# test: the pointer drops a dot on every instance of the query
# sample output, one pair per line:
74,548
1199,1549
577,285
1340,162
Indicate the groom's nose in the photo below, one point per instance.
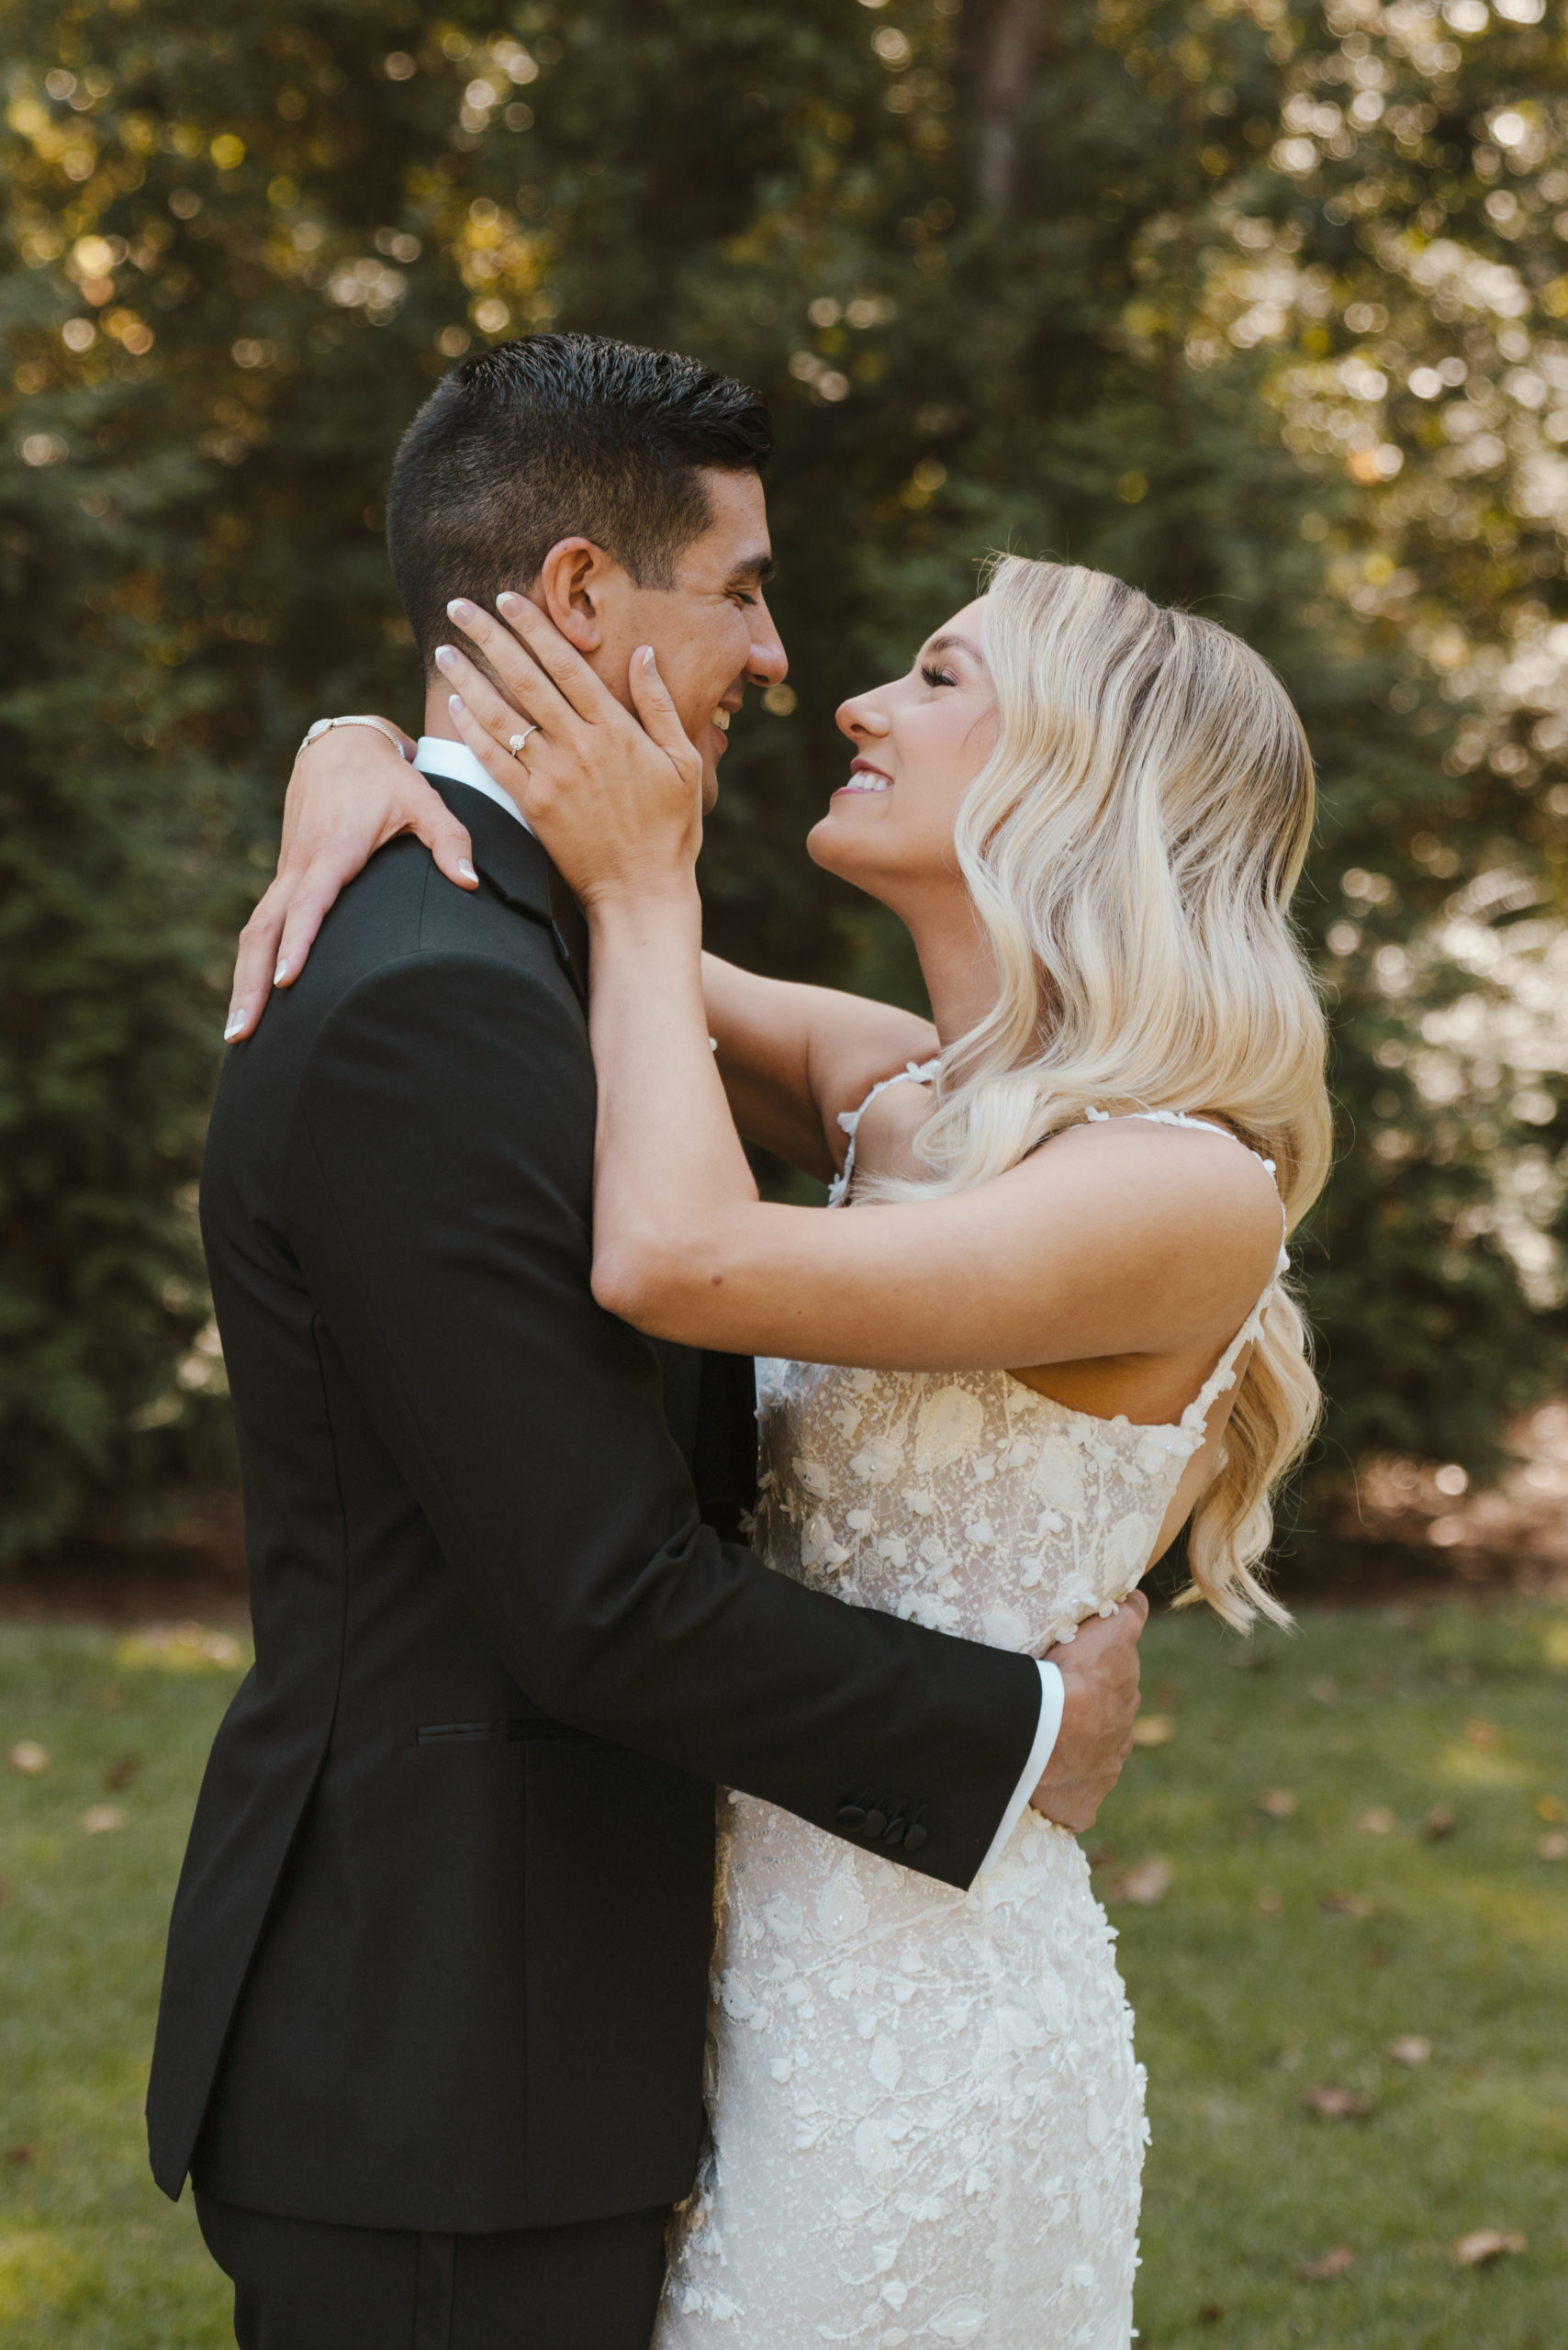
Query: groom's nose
768,664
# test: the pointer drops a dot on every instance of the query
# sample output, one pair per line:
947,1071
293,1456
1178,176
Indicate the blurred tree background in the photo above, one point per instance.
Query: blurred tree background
1264,306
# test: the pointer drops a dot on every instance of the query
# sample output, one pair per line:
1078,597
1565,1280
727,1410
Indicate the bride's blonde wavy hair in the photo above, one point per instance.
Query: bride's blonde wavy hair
1131,847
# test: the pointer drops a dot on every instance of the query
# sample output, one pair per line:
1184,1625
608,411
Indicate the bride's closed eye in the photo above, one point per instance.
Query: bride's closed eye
932,676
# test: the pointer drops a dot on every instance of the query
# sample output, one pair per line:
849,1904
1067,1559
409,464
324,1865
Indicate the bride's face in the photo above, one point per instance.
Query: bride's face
918,744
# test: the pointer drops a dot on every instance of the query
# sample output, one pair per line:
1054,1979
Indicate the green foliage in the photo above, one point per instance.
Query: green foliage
1156,287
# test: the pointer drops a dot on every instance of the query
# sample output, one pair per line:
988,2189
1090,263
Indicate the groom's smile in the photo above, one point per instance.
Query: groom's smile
713,630
710,627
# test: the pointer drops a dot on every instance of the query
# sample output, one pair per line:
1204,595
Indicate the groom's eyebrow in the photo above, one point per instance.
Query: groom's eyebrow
752,570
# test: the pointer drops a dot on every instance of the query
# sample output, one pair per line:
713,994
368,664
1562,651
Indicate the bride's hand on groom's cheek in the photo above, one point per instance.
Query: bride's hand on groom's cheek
615,794
1100,1680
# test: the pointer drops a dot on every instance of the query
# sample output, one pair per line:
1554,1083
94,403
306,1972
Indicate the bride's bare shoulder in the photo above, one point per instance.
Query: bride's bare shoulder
1190,1187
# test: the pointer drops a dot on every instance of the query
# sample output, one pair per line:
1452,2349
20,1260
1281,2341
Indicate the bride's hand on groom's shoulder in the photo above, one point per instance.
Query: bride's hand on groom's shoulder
1100,1682
615,794
350,793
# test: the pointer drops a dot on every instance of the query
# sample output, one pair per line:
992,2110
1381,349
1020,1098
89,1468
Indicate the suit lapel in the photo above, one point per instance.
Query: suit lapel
568,927
514,863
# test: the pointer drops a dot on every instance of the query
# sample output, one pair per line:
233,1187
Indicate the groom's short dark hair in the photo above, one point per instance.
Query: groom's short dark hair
554,436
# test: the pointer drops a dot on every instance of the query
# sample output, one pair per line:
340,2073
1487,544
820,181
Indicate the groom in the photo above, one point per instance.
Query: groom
430,2039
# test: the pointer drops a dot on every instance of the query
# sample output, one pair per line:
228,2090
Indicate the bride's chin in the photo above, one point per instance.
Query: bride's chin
826,845
842,850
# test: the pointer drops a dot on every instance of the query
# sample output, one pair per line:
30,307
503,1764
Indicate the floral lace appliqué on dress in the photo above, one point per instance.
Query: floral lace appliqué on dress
927,2118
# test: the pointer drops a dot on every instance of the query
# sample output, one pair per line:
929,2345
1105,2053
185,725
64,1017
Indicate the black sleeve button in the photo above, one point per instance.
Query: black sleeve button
851,1816
875,1822
893,1832
915,1837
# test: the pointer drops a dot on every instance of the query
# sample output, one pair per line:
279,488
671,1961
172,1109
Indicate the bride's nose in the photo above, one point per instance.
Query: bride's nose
861,720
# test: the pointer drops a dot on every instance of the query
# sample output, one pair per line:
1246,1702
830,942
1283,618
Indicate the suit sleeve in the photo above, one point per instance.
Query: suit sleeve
439,1196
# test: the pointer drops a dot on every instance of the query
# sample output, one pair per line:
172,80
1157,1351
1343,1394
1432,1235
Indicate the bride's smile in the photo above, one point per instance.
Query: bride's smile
919,743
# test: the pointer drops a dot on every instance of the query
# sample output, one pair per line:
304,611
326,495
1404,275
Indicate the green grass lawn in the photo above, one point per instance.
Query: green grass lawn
1250,1992
1289,1952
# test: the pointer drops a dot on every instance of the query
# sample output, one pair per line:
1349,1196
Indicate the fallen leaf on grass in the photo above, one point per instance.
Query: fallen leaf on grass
102,1819
1551,1807
1439,1822
1378,1821
177,1648
1337,2105
122,1774
1333,2264
1412,2050
29,1758
21,2154
1277,1802
1154,1730
1486,2243
1346,1904
1211,2313
1269,1904
1553,1848
1325,1690
1148,1883
1480,1733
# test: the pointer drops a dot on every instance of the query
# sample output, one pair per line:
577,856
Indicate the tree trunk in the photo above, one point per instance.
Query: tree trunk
1002,44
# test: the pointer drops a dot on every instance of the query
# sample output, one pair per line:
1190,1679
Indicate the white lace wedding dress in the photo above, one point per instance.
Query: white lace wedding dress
927,2118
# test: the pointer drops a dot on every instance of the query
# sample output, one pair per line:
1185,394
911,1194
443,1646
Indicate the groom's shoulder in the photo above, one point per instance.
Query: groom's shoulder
402,904
454,974
402,911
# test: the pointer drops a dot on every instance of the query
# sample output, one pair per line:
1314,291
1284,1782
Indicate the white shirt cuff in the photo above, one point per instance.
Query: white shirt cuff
1053,1696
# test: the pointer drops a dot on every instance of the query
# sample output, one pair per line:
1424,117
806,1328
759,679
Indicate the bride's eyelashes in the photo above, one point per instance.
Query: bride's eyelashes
932,676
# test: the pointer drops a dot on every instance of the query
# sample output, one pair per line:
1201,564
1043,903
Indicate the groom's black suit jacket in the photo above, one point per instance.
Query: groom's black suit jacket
438,1958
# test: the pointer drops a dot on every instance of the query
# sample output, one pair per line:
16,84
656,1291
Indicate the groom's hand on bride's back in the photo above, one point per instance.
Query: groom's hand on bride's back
1099,1681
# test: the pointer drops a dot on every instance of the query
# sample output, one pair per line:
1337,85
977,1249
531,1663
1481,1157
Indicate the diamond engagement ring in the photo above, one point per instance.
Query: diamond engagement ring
516,741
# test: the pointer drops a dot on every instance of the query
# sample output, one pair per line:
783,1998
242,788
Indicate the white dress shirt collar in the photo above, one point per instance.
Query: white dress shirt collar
457,763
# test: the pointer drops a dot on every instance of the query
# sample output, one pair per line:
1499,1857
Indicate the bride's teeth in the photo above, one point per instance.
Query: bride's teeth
721,720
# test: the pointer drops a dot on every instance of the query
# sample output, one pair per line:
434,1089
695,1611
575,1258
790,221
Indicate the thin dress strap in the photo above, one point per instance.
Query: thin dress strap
912,1073
1223,1376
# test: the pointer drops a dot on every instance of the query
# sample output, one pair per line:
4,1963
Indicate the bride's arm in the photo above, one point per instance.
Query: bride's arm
792,1057
350,792
1132,1240
1145,1240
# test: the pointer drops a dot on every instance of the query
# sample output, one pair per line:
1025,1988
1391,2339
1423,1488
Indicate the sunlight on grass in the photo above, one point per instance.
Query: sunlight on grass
91,2255
42,2276
1398,1897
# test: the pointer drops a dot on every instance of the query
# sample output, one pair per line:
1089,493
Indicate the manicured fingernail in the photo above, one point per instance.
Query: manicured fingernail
446,658
235,1021
454,704
280,974
466,870
509,601
461,610
648,659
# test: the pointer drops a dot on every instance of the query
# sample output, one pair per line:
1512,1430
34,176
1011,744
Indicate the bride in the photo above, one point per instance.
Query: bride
1046,1328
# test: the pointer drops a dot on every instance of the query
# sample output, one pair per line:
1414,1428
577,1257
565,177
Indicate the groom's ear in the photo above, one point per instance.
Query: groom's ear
577,579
